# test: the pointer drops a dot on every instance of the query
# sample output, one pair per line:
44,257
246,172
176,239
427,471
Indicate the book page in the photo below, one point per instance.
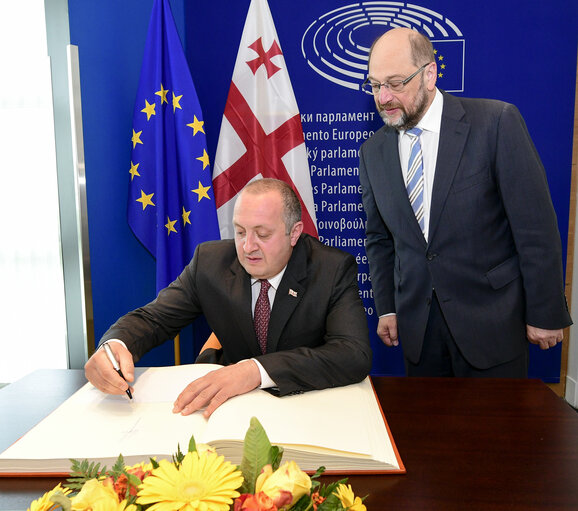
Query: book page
342,419
91,424
162,384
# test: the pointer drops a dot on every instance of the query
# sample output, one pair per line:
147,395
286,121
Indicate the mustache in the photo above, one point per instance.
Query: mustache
388,106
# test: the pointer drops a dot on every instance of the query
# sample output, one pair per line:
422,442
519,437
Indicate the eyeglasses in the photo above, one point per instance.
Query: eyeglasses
373,88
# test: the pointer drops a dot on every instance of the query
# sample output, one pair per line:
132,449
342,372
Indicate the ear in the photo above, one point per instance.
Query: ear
296,231
431,73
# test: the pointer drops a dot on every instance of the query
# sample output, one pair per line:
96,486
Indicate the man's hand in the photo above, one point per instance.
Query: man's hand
213,389
544,338
101,374
387,330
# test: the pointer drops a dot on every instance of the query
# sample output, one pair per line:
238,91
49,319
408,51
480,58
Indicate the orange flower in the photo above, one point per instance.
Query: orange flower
258,502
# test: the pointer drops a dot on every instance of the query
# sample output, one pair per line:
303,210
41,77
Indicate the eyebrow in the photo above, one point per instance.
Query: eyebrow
388,78
254,227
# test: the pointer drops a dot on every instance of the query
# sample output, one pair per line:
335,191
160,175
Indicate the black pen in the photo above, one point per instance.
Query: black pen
114,363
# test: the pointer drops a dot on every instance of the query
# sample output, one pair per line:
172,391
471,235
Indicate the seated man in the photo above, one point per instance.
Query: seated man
307,330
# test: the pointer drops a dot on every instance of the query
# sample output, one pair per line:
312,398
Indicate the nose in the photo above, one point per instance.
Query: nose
384,95
250,245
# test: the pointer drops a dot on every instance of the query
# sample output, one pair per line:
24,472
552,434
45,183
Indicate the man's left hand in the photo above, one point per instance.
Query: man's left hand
213,389
544,338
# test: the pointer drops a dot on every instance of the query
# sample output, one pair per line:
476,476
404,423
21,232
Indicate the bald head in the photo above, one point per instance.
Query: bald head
415,47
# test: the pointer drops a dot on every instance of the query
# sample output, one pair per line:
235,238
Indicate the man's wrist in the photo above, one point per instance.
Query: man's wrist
266,381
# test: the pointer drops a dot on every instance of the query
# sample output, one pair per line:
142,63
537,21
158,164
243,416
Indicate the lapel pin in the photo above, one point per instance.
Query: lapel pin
293,293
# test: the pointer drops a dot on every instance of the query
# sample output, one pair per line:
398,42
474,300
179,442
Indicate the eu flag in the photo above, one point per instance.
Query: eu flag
450,56
171,206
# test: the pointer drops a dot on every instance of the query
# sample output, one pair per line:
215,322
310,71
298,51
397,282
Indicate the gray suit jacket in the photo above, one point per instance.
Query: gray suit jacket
494,252
318,334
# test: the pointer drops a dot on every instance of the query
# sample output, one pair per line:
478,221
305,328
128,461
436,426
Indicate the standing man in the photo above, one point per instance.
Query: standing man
462,238
285,308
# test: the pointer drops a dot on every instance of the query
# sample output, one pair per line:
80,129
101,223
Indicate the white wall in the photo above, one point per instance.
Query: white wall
32,305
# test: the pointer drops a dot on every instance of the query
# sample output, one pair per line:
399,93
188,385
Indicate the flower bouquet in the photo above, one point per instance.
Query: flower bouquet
201,480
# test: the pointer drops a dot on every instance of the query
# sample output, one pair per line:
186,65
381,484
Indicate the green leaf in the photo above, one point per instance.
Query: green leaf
276,455
132,479
118,467
133,482
192,444
61,500
154,463
327,490
257,453
82,471
331,503
178,457
303,504
318,473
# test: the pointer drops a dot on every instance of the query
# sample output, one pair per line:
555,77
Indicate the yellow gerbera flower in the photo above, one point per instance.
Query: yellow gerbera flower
203,482
348,500
44,503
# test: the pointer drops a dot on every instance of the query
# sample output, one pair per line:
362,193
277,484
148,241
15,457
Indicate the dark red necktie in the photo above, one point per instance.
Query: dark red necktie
261,315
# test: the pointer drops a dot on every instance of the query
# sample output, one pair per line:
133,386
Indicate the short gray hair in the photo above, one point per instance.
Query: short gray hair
291,204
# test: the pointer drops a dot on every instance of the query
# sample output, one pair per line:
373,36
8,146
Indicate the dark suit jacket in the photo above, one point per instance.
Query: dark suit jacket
318,334
494,253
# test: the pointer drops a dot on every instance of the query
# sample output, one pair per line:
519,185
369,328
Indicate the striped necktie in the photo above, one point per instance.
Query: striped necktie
415,177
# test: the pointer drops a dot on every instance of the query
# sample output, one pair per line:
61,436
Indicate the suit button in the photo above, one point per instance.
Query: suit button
430,256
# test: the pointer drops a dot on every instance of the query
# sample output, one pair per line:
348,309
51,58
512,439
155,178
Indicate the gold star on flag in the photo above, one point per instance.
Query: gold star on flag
197,126
170,225
176,100
146,200
133,170
435,52
443,66
136,138
440,75
186,215
441,57
149,110
163,94
201,191
204,159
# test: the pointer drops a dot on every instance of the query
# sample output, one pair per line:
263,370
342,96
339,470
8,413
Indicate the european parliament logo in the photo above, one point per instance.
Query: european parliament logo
337,43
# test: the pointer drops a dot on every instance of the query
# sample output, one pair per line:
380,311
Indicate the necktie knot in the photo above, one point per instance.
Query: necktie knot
416,132
265,285
262,314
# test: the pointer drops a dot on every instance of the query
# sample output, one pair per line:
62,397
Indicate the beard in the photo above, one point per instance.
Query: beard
410,117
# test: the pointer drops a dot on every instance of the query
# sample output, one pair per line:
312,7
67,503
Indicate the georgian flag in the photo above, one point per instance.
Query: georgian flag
261,133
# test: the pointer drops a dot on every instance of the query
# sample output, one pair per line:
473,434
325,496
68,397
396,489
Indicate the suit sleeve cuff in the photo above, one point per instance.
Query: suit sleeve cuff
111,340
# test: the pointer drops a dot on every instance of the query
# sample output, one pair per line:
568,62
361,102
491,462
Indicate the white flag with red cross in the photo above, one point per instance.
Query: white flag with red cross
261,133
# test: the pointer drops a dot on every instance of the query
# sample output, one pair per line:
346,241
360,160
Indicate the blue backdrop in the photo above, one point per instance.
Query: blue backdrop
518,51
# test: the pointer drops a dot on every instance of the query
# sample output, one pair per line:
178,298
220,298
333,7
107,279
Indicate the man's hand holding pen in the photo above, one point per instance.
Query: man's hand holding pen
107,376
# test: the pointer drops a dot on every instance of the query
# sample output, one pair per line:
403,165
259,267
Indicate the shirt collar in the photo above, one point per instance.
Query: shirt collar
274,281
432,119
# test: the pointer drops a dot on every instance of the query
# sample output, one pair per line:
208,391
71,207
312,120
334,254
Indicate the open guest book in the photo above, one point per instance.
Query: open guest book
341,428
